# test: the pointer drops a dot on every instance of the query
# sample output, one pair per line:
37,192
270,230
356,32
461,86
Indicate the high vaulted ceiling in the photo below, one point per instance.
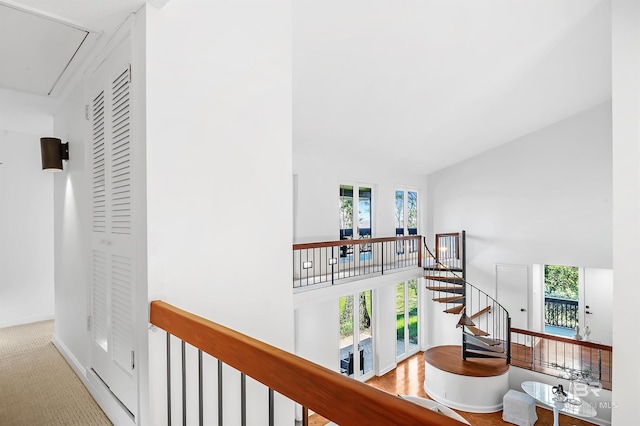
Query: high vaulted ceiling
412,84
422,84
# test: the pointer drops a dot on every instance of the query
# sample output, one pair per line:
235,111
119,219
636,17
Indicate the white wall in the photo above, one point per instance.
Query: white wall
317,196
318,340
219,168
626,205
545,198
26,211
72,238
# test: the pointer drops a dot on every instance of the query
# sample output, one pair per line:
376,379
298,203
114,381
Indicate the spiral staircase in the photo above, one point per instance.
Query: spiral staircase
484,322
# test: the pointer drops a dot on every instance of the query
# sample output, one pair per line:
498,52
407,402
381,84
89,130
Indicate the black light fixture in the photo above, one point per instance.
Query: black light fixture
53,152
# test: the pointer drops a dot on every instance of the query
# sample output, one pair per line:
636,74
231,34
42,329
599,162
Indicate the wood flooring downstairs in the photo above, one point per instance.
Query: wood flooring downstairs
408,379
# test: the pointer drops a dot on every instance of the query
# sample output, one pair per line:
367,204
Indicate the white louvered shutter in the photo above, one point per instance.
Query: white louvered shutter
113,266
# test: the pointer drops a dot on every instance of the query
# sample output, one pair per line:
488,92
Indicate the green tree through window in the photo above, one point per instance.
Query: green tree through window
561,281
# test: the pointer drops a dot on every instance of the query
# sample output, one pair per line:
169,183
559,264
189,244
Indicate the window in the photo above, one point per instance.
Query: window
406,217
355,202
406,318
560,299
360,313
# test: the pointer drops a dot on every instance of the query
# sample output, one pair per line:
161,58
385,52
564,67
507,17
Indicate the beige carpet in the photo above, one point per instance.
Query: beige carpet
37,386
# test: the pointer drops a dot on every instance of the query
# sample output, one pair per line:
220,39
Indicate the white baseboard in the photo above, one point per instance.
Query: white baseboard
111,406
386,370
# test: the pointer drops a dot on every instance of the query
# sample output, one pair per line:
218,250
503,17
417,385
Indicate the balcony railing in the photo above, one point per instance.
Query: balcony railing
560,356
560,312
332,261
269,373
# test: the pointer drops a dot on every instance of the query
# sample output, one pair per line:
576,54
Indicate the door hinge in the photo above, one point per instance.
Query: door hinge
133,360
86,112
89,323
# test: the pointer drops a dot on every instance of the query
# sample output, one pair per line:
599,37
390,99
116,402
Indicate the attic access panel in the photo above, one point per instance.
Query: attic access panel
36,51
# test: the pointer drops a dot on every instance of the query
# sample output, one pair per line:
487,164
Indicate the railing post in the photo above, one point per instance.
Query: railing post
464,255
168,379
382,260
200,389
508,348
419,242
184,383
332,265
243,399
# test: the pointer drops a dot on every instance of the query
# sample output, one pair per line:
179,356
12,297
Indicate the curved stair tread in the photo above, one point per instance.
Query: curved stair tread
448,288
440,267
450,280
486,354
484,340
450,299
480,312
476,331
488,349
445,279
454,310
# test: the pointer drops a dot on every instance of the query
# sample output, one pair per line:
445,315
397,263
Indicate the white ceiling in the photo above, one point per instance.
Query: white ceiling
422,84
413,84
44,43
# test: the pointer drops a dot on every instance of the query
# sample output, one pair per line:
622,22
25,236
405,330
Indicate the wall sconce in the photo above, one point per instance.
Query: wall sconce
53,152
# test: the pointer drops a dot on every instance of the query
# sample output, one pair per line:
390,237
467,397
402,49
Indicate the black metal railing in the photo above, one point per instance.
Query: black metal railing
561,356
560,312
332,261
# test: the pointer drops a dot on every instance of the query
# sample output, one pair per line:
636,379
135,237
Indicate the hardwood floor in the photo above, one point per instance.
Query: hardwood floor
408,379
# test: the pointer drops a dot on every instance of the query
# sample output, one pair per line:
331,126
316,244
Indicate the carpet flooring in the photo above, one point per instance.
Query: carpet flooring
37,386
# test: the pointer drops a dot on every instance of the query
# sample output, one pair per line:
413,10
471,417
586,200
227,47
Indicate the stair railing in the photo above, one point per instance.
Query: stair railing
482,318
559,356
256,364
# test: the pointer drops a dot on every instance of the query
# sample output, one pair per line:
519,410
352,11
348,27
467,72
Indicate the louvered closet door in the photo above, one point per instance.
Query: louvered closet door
113,273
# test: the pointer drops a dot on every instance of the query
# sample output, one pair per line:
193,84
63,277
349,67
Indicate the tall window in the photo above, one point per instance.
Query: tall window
560,299
406,318
406,216
355,216
356,342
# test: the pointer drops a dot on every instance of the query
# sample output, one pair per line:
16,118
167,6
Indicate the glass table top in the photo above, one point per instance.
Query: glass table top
572,405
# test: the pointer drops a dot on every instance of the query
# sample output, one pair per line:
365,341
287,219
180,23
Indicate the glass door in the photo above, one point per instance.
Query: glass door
400,320
365,333
355,219
406,318
356,343
346,336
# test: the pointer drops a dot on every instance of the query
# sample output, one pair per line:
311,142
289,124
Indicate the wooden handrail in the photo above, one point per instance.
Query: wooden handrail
586,344
302,246
340,399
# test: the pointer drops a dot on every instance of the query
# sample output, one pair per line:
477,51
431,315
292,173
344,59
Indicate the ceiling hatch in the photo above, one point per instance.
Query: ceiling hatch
44,52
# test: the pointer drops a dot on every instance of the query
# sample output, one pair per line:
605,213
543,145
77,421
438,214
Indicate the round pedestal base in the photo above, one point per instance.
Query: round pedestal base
476,385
